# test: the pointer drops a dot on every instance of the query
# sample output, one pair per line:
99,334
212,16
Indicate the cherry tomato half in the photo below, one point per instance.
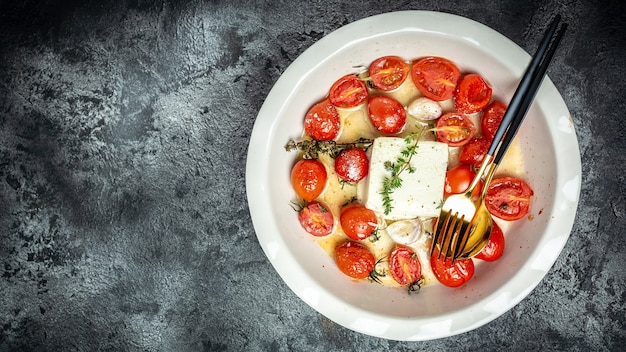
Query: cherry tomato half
449,273
347,92
454,129
495,247
386,114
358,222
458,180
316,219
404,265
472,94
389,72
322,121
435,77
508,198
308,178
352,165
492,117
473,153
354,260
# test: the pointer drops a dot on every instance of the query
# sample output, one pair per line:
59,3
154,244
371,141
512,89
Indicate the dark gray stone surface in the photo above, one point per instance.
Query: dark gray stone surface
123,137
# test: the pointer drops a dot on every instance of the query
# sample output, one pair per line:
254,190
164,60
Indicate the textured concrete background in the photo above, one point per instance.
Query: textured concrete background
123,137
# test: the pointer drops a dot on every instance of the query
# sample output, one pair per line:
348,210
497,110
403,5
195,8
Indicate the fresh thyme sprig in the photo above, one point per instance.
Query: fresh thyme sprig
402,163
375,275
312,148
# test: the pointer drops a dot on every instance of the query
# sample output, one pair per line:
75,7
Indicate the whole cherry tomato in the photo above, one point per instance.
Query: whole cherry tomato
316,219
308,178
508,198
435,77
495,247
451,274
473,153
458,180
348,92
354,260
389,72
358,222
386,114
454,129
492,117
322,121
404,265
472,94
352,165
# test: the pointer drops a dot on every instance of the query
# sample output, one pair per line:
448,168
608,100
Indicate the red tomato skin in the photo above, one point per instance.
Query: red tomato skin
386,114
451,274
404,265
352,165
492,117
322,121
358,222
458,180
435,77
454,129
473,153
472,94
354,259
508,198
389,72
495,247
308,178
348,92
316,219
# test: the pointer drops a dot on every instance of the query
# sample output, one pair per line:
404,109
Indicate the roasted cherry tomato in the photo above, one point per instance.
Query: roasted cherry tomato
454,129
449,273
435,77
322,121
473,153
358,222
458,179
352,165
404,265
386,114
347,92
508,198
354,260
495,247
308,178
316,219
389,72
492,117
472,94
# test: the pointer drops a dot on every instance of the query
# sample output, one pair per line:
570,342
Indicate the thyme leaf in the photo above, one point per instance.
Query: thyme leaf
311,148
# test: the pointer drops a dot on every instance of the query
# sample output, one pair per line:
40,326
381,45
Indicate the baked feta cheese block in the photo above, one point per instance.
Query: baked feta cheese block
421,192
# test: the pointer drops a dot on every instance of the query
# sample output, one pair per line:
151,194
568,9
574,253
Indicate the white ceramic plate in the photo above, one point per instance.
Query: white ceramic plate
552,163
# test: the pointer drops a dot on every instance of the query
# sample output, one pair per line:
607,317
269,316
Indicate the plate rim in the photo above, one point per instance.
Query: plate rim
256,186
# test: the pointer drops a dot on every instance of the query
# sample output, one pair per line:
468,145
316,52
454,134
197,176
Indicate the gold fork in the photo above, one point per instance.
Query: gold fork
464,224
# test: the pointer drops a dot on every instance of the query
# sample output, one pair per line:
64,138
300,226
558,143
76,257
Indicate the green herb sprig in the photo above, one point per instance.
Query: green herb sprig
311,149
402,163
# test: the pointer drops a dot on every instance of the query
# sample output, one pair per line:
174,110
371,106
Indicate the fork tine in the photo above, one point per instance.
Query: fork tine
466,231
440,228
444,244
453,237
